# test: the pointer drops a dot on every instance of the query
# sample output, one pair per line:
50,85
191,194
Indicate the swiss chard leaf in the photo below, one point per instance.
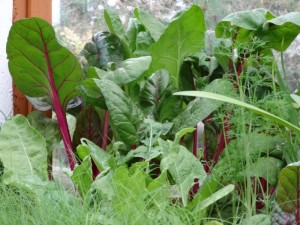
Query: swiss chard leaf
23,152
184,36
40,67
288,189
156,89
89,125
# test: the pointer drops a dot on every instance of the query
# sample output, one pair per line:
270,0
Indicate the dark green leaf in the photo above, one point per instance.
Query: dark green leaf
103,49
125,116
156,89
89,125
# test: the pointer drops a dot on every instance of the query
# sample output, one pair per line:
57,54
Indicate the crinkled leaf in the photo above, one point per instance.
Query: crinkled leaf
39,65
156,89
143,42
23,152
125,116
83,176
198,109
184,36
152,24
288,188
46,127
104,48
150,130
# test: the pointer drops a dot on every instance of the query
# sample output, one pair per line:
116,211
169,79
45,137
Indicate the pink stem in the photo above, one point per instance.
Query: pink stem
105,130
60,113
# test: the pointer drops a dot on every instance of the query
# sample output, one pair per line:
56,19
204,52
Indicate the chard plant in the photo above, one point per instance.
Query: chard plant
135,142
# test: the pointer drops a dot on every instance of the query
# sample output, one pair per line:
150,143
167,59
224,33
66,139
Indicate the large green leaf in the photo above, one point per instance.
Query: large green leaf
152,24
283,30
23,152
125,116
288,188
198,109
39,65
252,108
184,36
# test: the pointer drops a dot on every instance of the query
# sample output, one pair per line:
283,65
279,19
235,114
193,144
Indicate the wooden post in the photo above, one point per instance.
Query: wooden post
26,9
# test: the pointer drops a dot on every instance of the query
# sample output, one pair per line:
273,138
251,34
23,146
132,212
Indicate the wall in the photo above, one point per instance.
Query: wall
5,79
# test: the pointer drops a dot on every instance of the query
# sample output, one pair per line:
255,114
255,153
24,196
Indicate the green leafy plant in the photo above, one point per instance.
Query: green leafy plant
135,141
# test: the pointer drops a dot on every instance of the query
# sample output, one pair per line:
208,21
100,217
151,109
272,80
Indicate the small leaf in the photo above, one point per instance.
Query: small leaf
102,159
83,176
215,197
